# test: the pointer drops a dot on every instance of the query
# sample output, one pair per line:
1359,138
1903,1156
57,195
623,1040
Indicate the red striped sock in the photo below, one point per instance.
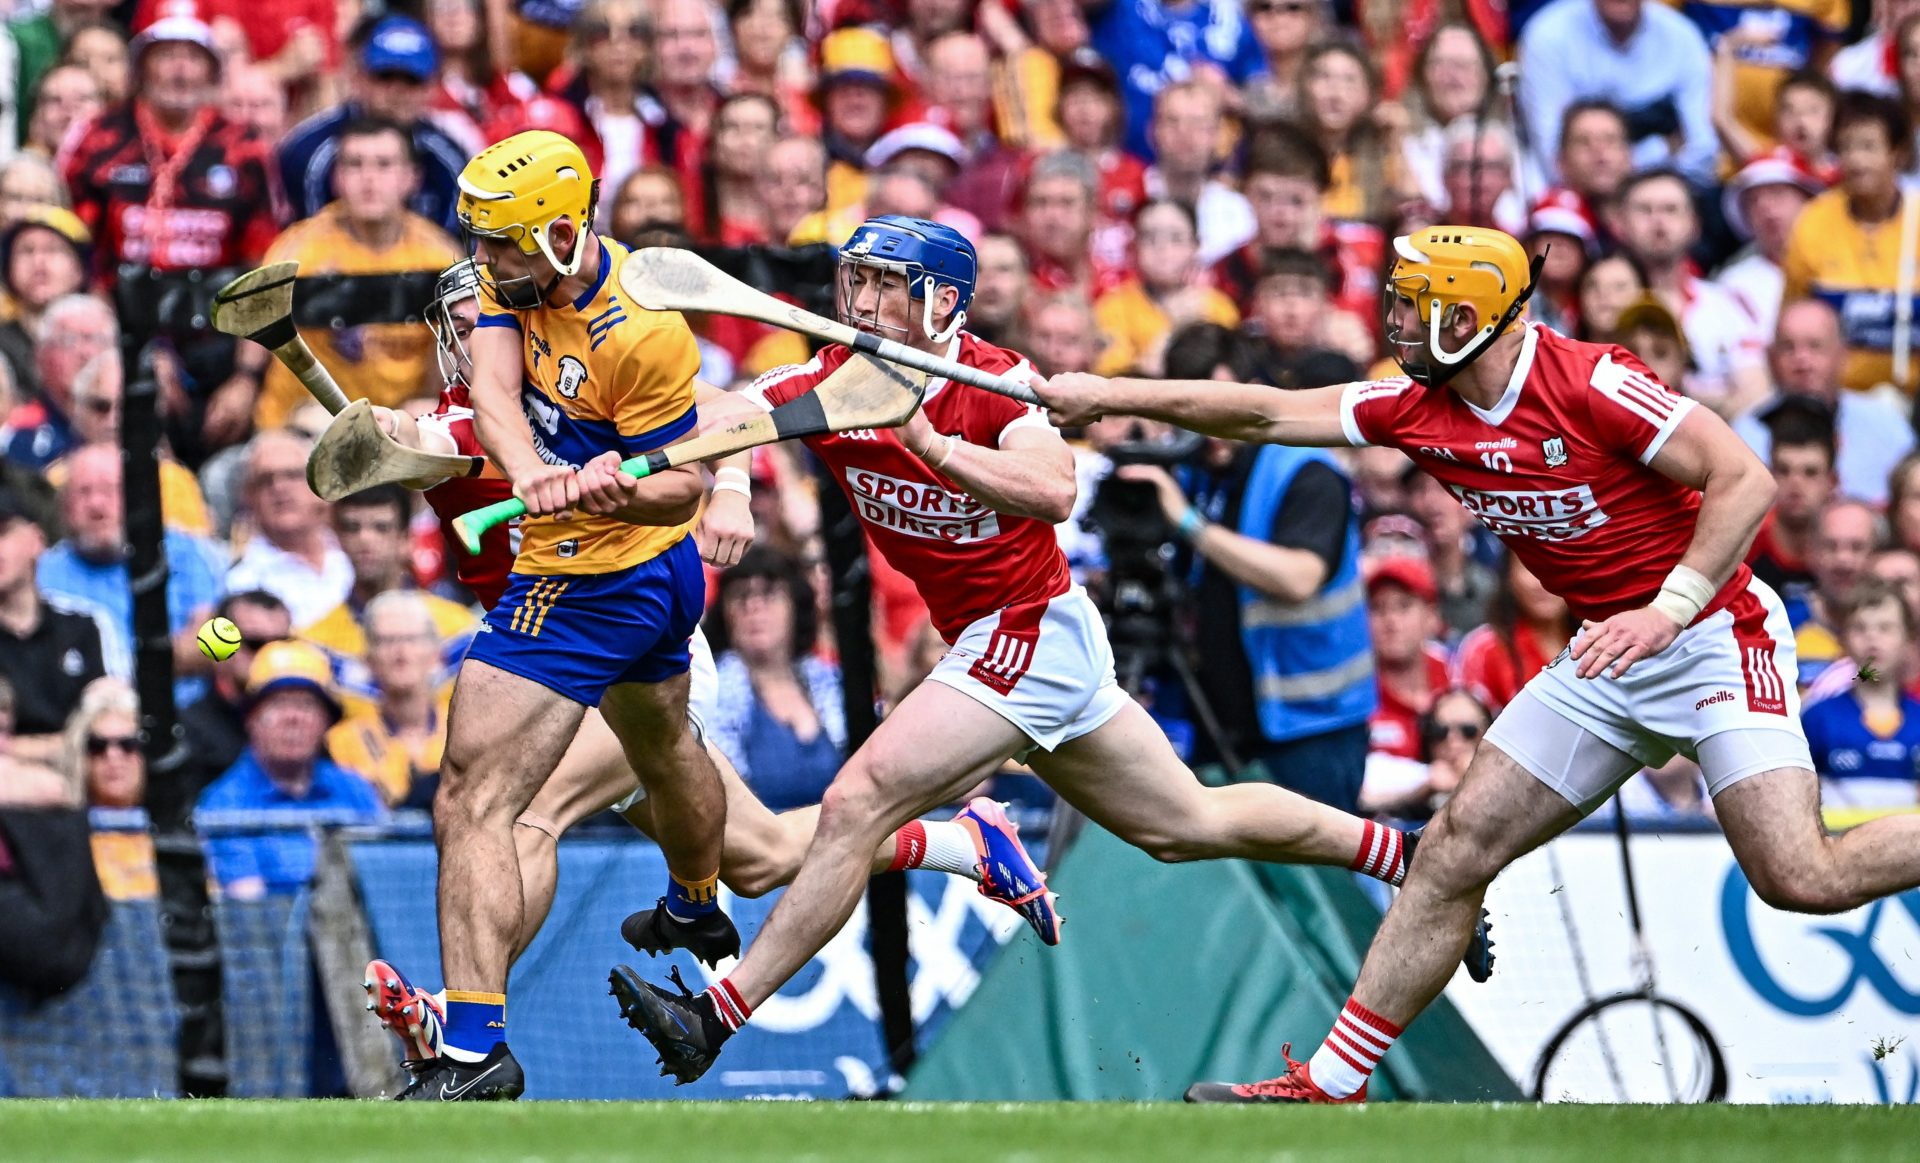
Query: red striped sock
1353,1048
729,1005
909,847
1382,853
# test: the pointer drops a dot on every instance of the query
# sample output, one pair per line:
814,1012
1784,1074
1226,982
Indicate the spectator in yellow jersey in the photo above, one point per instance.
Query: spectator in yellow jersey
103,756
366,231
1847,246
43,257
856,95
372,529
1164,294
1757,45
397,739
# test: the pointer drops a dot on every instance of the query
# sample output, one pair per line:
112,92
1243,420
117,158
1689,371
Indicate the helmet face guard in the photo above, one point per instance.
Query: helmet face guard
915,284
1441,365
456,284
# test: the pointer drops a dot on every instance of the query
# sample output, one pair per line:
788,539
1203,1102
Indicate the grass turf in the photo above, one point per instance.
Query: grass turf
343,1132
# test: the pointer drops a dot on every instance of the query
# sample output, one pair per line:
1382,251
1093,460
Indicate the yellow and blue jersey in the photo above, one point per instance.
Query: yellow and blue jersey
1854,268
1794,30
599,374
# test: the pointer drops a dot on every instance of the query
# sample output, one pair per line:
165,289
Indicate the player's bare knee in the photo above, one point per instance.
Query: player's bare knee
854,804
1818,890
1453,859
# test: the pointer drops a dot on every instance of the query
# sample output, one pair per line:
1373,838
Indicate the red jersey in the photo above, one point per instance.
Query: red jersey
206,197
1558,469
1394,726
966,560
483,573
1494,667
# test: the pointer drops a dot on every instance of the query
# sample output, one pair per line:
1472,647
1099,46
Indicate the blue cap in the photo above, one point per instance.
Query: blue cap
401,44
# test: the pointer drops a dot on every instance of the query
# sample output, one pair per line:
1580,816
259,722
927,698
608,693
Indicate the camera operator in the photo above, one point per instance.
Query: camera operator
1272,557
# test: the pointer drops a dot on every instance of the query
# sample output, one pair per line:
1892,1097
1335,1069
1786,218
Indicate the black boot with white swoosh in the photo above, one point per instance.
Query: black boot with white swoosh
495,1078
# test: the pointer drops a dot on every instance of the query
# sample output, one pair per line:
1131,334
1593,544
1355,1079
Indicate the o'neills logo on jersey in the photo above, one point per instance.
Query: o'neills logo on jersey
920,510
1561,515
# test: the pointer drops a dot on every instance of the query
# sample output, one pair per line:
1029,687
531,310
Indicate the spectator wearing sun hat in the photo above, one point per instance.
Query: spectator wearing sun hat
1761,202
857,94
43,255
283,776
390,78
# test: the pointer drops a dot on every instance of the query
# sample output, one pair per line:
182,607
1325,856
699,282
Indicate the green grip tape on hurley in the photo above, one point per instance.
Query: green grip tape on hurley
471,527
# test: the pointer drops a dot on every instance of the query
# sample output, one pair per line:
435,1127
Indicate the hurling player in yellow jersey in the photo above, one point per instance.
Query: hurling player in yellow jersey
568,379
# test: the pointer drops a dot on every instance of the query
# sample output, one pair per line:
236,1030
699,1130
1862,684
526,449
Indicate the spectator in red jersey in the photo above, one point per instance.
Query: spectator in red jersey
1414,789
1286,29
770,58
1056,224
1286,180
165,180
1801,454
1596,155
793,184
1411,669
68,96
101,48
295,41
1464,584
470,91
856,95
744,129
1526,627
1000,290
1061,334
1185,131
251,97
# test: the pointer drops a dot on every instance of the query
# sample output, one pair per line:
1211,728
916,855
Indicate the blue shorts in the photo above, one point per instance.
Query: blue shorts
578,634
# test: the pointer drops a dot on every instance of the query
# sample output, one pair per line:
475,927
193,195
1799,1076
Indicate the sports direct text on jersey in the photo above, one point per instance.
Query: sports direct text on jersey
1561,515
921,510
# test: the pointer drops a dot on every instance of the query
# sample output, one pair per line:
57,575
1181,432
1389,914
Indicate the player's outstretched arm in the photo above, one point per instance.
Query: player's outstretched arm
726,525
1233,411
1029,475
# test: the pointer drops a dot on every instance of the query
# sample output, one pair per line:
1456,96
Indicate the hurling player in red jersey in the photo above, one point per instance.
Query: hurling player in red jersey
760,850
1636,507
962,499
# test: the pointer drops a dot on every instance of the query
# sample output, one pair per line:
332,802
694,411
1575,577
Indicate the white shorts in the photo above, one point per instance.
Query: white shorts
703,692
1722,694
1048,669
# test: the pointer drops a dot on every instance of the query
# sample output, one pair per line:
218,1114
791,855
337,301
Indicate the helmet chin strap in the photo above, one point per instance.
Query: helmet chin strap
1453,363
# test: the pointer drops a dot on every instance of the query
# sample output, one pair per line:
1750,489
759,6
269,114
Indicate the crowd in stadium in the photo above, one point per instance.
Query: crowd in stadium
1206,189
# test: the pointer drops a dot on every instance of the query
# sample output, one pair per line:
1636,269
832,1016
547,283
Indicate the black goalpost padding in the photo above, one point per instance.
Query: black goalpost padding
151,305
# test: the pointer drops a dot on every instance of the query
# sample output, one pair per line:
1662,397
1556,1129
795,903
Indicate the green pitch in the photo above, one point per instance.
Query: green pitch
343,1132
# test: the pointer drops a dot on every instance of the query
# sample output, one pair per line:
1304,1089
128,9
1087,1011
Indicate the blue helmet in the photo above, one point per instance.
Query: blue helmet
926,252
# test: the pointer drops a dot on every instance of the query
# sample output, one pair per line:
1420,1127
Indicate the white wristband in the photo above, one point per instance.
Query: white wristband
730,473
1683,595
733,486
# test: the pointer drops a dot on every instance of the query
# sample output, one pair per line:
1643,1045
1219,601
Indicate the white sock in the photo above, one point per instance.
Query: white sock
1344,1062
950,849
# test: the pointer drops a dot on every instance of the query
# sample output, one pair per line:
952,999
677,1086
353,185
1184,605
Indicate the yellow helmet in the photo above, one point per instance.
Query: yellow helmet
516,189
1445,267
